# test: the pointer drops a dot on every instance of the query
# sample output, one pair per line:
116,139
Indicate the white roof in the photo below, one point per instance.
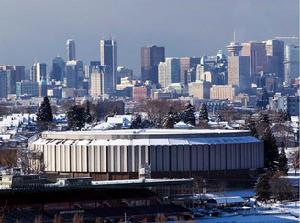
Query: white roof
228,200
147,132
154,141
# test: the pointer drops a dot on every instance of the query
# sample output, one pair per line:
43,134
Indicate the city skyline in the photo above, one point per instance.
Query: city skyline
49,33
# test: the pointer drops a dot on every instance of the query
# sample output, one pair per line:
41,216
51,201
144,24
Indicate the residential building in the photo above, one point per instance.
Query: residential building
27,87
199,89
139,93
222,92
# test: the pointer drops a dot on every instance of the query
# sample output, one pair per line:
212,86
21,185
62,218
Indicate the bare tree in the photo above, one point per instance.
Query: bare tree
295,160
281,189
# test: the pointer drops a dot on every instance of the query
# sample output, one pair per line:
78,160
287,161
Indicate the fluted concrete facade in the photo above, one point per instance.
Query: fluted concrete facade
180,151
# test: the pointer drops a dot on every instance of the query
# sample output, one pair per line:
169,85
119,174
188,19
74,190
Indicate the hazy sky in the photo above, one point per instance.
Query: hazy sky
40,28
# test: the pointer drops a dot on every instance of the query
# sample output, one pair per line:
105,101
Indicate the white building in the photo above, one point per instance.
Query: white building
169,71
115,154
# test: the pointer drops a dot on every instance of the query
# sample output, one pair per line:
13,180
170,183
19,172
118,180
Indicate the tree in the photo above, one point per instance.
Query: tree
295,160
157,110
270,149
203,114
252,127
44,114
263,188
136,122
283,162
76,117
88,116
169,121
188,115
281,189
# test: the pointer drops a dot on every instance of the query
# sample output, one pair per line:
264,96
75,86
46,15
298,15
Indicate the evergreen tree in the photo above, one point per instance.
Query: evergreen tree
203,114
188,115
263,187
169,121
76,117
252,127
283,161
88,116
44,114
136,122
270,149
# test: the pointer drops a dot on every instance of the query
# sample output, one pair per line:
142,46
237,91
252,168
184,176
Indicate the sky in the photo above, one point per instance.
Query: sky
39,28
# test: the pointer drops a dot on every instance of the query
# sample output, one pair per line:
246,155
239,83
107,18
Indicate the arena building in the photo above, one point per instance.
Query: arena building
118,154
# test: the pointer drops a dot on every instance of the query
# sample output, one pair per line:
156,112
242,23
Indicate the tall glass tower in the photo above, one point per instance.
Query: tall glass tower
108,58
71,49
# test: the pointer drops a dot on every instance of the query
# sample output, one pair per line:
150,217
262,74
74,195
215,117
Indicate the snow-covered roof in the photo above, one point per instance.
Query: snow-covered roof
154,141
227,200
183,125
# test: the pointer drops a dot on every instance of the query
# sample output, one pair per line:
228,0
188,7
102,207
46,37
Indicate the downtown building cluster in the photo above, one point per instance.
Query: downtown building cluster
251,72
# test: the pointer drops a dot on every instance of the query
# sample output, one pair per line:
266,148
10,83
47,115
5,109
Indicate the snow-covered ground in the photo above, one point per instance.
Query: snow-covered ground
251,219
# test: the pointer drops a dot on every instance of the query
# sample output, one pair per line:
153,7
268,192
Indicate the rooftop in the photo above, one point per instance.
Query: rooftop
144,133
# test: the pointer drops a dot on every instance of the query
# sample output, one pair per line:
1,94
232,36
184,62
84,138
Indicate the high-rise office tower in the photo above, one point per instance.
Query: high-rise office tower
38,72
151,56
74,74
291,63
258,57
3,84
239,72
97,81
186,63
108,58
238,67
71,53
169,71
58,69
163,78
20,73
10,78
275,57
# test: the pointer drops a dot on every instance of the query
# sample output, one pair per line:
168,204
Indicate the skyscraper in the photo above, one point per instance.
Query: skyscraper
58,69
10,73
239,72
108,58
3,84
169,71
238,67
71,53
258,57
151,56
38,72
275,57
97,84
74,74
291,63
186,63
